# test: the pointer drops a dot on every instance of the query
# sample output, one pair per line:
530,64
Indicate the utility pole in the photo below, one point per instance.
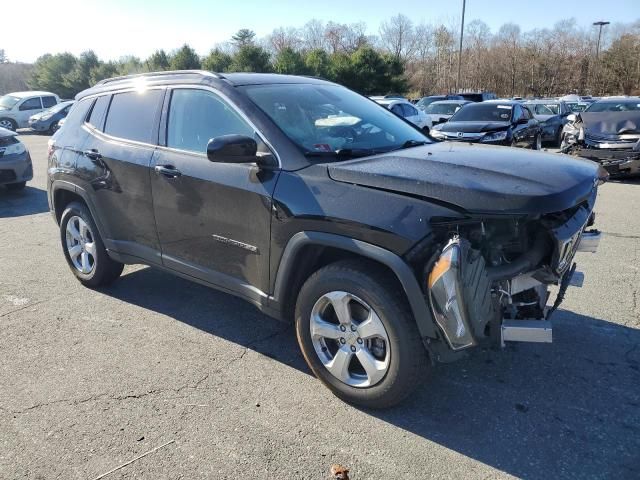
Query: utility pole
599,24
464,4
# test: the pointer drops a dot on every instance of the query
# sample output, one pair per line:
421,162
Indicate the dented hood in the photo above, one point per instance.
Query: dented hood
477,178
611,123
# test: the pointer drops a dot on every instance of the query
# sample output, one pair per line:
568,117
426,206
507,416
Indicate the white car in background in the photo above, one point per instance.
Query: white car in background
405,109
17,107
442,110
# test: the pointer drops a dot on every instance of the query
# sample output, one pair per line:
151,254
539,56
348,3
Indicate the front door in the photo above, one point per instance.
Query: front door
29,107
213,219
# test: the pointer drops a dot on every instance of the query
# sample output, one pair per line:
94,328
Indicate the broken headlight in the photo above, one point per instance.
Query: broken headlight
446,297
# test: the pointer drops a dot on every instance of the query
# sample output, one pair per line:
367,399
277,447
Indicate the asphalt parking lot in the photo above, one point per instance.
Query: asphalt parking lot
91,380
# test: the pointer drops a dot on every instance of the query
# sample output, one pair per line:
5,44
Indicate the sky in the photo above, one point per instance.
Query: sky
115,28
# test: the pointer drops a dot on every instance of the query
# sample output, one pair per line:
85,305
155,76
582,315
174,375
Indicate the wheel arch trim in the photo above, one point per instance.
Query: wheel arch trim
421,313
58,185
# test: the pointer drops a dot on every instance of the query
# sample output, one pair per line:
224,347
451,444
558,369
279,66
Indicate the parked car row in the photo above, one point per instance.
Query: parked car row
15,162
40,111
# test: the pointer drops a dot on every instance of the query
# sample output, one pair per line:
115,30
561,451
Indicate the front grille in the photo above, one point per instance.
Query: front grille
7,175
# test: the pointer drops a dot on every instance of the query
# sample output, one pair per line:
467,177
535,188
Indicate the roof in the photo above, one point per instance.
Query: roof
390,101
450,102
32,93
197,77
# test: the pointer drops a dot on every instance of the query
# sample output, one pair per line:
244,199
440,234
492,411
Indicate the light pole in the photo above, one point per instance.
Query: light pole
599,24
464,4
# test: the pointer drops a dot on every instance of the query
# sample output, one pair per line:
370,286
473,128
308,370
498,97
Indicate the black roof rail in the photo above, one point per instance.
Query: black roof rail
203,73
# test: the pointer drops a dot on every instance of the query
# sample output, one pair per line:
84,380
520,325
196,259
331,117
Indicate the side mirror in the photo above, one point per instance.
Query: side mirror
572,117
238,149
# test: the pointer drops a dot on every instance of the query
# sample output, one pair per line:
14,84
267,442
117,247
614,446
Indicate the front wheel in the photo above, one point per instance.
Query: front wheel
537,144
8,123
83,248
357,335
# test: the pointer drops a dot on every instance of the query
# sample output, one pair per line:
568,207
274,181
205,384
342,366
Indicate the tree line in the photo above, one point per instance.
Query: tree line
404,57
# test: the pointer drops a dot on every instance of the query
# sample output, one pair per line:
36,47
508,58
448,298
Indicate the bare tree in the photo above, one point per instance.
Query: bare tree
397,36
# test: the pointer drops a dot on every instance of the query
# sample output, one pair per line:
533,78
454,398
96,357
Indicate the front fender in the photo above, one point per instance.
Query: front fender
403,272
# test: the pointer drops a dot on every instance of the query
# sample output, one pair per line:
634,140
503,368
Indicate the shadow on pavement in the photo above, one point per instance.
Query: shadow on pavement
570,409
22,202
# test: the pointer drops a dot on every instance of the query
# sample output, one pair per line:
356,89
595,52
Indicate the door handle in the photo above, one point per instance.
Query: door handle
92,154
168,171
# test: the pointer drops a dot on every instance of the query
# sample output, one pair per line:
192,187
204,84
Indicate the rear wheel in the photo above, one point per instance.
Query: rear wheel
83,248
16,186
357,335
8,124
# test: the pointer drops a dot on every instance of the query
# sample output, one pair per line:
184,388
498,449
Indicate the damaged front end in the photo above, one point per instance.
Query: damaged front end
611,139
489,279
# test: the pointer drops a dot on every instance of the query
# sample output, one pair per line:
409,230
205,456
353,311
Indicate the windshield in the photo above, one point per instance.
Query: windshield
545,108
57,108
483,112
7,101
621,106
442,108
329,119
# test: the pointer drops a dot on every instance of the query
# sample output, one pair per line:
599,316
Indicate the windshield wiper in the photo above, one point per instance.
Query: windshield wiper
342,153
409,144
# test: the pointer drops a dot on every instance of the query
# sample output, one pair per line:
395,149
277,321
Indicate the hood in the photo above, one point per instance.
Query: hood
4,133
477,178
474,127
611,123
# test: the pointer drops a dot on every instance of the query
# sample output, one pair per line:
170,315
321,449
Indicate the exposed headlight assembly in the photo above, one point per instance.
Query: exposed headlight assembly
495,137
460,294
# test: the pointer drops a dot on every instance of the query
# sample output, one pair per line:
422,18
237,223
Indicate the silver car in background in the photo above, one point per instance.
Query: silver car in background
15,162
443,110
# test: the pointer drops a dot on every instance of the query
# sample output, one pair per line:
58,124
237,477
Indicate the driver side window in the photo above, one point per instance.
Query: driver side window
196,116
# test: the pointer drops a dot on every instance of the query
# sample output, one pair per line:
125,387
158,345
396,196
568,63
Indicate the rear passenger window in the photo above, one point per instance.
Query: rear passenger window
196,116
408,110
132,115
96,119
48,102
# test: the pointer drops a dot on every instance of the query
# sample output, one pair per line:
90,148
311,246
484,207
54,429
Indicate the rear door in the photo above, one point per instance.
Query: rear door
28,107
214,219
123,132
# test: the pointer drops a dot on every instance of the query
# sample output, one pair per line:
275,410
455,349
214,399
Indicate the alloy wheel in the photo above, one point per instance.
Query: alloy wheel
6,124
350,339
81,245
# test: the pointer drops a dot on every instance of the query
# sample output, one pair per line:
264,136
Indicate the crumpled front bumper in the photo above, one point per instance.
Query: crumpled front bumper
617,162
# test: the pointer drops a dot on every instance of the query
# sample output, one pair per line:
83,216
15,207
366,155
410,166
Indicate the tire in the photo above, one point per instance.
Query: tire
558,139
537,144
8,123
100,268
14,187
402,358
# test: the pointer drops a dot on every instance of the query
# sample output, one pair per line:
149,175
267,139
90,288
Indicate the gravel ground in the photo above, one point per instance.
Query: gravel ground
90,380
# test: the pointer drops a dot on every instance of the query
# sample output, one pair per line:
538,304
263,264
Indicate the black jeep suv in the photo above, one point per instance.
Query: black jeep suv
390,252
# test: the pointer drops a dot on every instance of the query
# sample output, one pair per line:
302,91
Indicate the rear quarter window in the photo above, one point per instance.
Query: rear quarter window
133,115
96,118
